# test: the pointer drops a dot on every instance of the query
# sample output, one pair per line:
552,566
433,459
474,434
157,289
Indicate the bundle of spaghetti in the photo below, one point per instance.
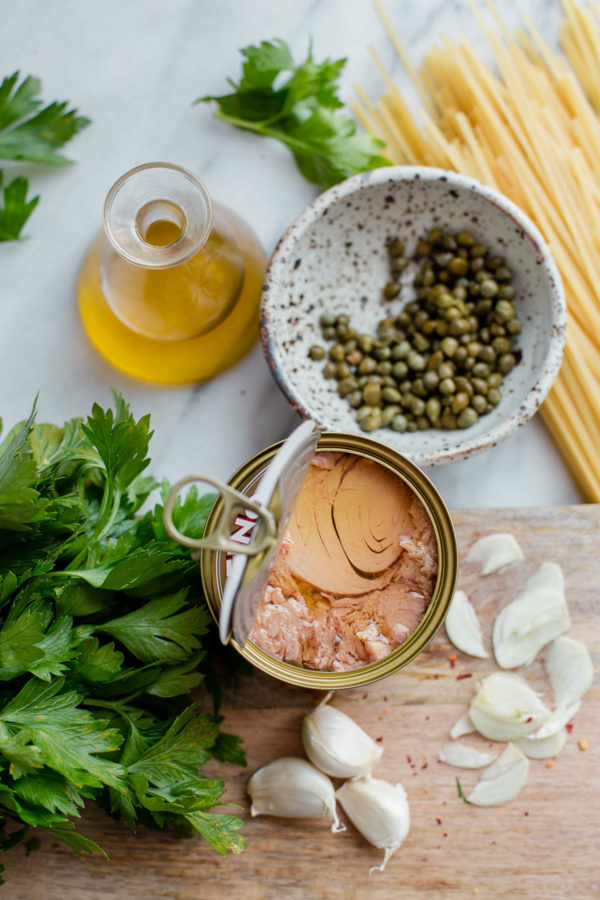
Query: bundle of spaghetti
532,131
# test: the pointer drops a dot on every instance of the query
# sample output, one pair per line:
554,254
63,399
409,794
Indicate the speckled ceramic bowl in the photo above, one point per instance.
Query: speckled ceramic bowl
334,258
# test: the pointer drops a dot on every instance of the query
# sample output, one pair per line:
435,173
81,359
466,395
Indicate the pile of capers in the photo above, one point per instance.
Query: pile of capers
441,361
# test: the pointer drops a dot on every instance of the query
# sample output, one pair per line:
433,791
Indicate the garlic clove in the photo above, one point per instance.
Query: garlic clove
462,726
335,744
505,708
557,720
503,780
538,615
463,628
542,748
494,551
465,757
569,669
379,810
292,788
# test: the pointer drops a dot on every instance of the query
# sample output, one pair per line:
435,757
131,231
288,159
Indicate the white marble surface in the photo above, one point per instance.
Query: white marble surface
134,68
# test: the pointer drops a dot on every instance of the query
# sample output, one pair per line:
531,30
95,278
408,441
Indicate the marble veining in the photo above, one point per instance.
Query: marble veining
135,69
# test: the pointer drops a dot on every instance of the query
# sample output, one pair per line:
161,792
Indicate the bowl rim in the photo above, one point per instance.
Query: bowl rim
278,265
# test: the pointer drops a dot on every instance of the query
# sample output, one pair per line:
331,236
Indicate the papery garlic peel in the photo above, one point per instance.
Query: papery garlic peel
505,707
379,810
501,781
293,788
465,757
463,628
335,744
494,551
538,615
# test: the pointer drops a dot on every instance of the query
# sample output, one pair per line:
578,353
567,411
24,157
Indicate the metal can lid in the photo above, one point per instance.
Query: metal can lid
270,506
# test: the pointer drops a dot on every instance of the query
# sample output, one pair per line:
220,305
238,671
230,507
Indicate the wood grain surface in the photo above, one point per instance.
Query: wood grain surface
544,844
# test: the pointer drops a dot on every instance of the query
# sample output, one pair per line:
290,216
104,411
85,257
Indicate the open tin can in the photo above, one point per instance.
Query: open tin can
247,524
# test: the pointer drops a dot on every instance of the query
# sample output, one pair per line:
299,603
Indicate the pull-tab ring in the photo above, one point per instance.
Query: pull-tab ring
233,503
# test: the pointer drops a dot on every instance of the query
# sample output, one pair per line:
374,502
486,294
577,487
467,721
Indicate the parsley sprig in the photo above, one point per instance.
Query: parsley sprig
30,132
101,640
302,112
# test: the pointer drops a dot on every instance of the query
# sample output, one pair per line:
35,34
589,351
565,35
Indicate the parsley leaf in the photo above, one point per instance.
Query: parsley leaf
303,112
30,133
15,208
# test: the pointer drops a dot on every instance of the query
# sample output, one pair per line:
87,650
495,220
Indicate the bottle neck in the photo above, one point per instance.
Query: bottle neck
158,215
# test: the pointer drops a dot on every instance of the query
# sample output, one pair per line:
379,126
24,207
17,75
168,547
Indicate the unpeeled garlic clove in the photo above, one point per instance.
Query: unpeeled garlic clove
494,551
543,748
463,628
538,615
464,725
505,708
465,757
502,780
379,810
292,788
335,744
569,669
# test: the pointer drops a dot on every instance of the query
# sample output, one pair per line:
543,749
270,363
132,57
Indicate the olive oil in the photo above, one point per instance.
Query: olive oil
166,298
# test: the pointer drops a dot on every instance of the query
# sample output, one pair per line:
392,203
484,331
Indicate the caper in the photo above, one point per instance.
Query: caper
458,266
388,381
400,370
391,290
488,288
463,385
445,370
430,381
469,362
478,250
385,367
421,343
476,264
330,370
401,350
482,307
412,426
501,345
448,420
416,361
337,352
503,274
479,385
396,247
487,354
350,345
435,235
467,417
399,423
399,264
343,332
484,335
479,403
355,399
443,259
442,328
506,363
391,395
329,334
494,380
503,311
459,401
316,352
405,386
506,292
459,293
465,239
480,370
474,348
389,414
428,328
444,300
427,278
347,385
481,276
494,262
326,320
513,326
374,379
494,396
382,353
448,241
418,406
367,365
362,412
365,342
423,248
372,394
452,313
419,388
403,319
371,423
460,355
343,370
342,319
497,330
435,359
447,386
362,380
449,346
433,408
387,336
354,357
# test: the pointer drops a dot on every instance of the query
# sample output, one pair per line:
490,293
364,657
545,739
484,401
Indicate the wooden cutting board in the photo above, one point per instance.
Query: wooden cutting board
544,844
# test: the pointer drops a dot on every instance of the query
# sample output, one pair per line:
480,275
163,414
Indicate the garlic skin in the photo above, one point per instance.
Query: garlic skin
462,726
379,810
506,708
569,669
335,744
542,748
463,628
494,551
538,615
465,757
503,780
292,788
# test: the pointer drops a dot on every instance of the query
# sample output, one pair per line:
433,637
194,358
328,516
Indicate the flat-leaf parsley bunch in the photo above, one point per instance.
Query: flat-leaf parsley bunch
100,640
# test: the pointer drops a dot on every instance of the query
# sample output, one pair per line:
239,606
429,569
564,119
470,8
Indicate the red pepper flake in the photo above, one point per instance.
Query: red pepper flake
438,820
465,675
379,740
436,675
530,719
365,696
425,764
569,727
525,813
492,842
427,718
445,834
452,659
415,773
385,700
408,758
